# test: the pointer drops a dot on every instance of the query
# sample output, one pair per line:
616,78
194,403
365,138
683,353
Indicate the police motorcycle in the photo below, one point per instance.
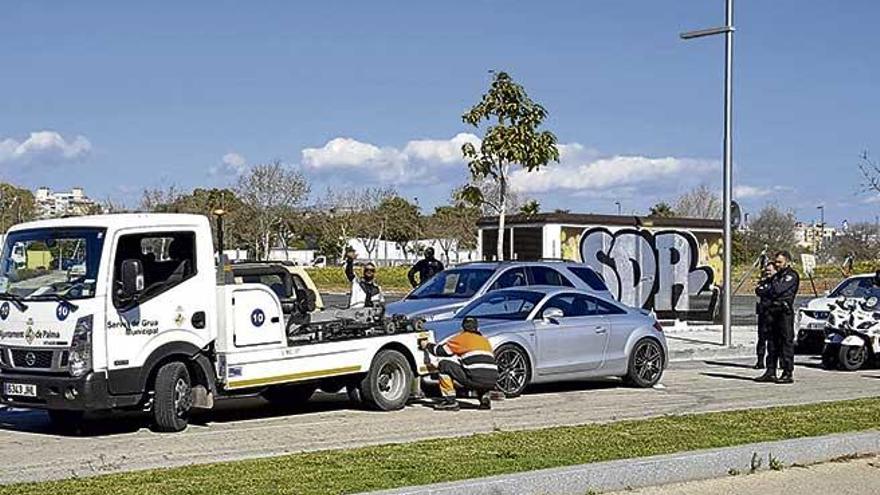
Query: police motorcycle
852,334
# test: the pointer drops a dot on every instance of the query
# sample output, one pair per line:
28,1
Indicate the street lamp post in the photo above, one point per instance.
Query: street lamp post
727,197
821,242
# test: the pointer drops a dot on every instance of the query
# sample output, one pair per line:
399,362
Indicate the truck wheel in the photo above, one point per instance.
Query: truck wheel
387,385
173,400
852,358
66,421
645,364
290,395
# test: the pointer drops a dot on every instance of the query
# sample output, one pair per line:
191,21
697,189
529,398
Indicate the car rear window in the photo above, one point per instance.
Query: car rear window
590,277
542,275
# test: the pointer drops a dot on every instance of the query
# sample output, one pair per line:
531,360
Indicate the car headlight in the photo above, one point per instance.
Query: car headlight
80,361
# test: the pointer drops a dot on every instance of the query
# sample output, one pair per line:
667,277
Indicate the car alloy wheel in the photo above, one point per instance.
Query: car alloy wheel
513,370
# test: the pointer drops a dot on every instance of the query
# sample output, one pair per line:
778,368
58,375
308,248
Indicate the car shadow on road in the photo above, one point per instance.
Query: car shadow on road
728,376
729,364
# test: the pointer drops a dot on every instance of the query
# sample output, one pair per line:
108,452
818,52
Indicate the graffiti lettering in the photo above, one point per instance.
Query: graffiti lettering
656,271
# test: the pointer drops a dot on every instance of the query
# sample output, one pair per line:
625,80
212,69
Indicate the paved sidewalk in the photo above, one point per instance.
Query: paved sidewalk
690,342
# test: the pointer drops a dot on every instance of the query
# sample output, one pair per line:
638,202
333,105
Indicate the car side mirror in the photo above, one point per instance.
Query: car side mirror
552,315
132,278
826,293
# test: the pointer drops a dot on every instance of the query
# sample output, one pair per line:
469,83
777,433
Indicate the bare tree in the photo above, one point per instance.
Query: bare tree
870,173
271,192
772,227
158,200
700,202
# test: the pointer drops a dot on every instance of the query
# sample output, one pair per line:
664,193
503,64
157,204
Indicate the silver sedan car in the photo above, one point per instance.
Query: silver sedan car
550,334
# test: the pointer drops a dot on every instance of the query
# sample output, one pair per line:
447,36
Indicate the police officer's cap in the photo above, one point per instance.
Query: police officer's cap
470,324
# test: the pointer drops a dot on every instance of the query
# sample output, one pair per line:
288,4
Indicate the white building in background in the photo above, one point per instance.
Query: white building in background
813,236
389,253
58,204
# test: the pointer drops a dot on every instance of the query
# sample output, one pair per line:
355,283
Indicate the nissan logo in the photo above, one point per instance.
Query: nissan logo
30,359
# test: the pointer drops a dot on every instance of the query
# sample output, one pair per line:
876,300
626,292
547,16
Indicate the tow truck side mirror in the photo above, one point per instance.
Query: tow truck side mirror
132,277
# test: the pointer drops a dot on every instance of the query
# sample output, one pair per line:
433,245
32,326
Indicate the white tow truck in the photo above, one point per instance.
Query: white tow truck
131,311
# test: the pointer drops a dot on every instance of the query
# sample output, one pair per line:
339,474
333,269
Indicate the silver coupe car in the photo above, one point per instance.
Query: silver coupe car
548,334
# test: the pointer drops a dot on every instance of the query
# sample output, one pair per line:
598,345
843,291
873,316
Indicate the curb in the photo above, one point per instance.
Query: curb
704,353
660,470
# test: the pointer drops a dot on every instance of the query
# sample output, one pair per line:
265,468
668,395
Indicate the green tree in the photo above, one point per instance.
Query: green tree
16,205
403,222
454,227
661,210
531,207
511,138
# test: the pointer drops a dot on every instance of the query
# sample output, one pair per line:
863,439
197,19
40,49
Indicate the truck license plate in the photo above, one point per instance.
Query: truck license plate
20,389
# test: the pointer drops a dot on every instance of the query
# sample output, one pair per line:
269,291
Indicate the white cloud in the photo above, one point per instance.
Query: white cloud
605,173
750,192
231,165
418,161
44,146
444,151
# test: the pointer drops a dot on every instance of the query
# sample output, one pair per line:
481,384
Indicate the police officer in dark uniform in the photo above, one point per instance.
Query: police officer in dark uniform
780,293
426,268
762,309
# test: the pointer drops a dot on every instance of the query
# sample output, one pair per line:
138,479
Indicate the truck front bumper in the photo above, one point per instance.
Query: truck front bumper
85,393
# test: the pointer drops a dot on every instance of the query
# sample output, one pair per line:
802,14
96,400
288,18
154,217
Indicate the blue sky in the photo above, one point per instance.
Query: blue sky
118,97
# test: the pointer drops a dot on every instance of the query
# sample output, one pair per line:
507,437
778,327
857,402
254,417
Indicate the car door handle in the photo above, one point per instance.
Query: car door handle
601,329
275,319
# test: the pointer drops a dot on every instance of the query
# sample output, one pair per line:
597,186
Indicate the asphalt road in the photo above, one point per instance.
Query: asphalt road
853,477
249,427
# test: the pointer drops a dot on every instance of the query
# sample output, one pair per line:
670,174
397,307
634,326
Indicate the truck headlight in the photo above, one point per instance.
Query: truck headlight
80,361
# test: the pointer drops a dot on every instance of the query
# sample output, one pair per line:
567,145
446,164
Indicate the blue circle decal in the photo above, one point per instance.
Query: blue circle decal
62,311
258,317
4,310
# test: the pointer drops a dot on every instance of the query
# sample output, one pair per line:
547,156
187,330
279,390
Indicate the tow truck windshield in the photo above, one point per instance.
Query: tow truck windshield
51,264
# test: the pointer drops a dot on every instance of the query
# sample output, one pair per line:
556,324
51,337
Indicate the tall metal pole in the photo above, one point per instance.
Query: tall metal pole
728,174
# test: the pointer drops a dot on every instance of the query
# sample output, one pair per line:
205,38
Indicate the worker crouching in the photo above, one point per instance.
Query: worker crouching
466,361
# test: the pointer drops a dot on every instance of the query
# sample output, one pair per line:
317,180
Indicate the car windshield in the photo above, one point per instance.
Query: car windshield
505,305
456,283
861,287
51,263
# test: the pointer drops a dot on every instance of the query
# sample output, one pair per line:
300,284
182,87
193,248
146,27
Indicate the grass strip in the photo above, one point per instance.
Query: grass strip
432,461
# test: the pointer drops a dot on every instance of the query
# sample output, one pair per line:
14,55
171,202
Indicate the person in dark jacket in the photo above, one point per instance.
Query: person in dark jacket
780,292
762,309
467,361
426,267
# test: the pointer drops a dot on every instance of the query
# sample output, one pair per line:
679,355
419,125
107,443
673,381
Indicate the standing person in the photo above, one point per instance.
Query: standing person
426,267
762,309
466,360
365,292
780,292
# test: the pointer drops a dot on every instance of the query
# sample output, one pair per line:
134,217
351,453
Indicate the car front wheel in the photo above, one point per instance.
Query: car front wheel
514,369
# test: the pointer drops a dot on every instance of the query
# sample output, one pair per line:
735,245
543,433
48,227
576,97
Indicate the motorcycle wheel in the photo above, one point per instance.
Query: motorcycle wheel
852,358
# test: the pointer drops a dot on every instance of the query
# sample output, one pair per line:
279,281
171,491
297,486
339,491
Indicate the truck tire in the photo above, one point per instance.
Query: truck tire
387,385
173,398
66,421
291,395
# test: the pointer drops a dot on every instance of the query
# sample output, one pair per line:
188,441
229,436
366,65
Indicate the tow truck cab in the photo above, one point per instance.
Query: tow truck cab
129,311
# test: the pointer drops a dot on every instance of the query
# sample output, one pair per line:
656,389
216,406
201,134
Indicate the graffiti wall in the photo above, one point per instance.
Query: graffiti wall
674,272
